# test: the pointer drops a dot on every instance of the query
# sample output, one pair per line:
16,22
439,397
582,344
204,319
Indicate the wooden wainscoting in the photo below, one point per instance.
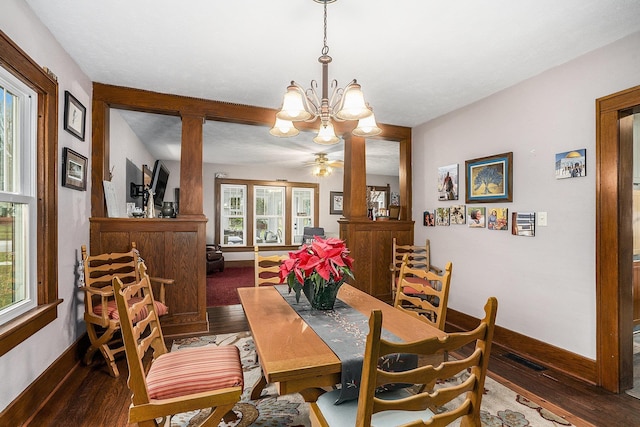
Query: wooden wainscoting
172,249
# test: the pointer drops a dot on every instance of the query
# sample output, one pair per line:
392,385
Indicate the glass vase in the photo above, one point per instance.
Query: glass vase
321,297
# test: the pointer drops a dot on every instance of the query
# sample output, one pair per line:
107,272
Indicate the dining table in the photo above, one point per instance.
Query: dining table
290,352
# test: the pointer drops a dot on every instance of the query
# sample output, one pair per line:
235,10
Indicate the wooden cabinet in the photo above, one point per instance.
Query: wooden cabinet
171,248
370,243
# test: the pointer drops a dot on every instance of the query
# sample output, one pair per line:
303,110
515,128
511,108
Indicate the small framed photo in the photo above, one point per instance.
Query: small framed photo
458,214
498,219
428,219
74,170
571,164
75,116
476,217
448,182
489,179
335,202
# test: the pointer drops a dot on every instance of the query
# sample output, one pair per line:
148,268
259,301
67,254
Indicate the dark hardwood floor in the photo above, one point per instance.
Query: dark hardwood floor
90,397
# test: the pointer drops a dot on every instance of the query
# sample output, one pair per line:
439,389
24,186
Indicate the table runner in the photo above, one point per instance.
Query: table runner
344,329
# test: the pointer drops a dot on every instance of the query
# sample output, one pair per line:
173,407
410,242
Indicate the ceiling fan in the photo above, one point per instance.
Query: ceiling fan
322,166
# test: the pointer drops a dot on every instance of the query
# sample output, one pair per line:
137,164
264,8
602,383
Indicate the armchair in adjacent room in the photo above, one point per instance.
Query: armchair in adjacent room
215,259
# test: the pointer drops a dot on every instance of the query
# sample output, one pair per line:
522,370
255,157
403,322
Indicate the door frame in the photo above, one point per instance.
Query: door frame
614,241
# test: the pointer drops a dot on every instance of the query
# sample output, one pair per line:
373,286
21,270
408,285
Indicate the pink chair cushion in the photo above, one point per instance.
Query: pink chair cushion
409,290
194,370
112,309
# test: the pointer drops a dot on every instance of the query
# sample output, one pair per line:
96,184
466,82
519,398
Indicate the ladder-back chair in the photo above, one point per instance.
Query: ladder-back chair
100,309
418,257
184,380
415,406
267,268
424,294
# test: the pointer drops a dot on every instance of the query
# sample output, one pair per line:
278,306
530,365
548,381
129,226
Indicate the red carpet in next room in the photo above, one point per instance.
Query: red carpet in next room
221,287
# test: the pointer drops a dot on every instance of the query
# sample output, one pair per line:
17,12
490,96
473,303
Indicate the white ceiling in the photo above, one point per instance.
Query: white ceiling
415,59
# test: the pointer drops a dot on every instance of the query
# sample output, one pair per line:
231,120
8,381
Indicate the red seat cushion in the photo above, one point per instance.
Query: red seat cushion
409,290
194,370
112,309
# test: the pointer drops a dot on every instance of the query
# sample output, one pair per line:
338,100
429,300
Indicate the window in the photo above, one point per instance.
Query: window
18,291
233,216
268,215
302,212
264,213
28,197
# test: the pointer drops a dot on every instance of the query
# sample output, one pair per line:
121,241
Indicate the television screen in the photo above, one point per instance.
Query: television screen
159,182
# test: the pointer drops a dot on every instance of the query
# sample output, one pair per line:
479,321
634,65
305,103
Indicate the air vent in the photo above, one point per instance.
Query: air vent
528,363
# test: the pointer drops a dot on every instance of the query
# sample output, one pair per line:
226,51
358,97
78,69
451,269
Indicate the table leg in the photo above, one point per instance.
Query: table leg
256,391
312,394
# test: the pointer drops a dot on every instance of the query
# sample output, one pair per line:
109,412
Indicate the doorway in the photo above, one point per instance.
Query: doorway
614,238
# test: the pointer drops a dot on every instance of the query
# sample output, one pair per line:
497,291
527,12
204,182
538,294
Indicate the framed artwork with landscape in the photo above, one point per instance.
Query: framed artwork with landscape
489,179
74,170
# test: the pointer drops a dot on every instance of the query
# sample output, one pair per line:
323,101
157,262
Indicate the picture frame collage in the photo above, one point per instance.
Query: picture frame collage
74,164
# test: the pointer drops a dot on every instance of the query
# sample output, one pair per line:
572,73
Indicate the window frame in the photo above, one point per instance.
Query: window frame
22,193
287,244
45,85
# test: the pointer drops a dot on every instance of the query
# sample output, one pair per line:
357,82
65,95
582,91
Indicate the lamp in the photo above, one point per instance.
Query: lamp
322,171
344,104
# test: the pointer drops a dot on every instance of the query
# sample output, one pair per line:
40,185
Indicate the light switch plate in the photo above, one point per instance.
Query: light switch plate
542,219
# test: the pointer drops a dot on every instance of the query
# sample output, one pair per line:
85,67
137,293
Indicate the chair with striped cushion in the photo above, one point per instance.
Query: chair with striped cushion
458,394
101,312
267,268
423,294
180,381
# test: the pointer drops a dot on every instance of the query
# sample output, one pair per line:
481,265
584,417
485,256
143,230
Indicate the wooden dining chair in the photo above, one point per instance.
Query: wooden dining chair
267,268
416,406
424,294
418,257
100,310
185,380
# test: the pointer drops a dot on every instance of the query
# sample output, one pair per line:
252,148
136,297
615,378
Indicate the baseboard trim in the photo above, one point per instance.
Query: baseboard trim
535,350
34,397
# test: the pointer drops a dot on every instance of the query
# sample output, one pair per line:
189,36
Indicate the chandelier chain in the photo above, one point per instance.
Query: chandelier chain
325,48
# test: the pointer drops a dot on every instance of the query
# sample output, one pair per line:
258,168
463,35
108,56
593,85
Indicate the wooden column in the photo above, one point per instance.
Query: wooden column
355,178
191,197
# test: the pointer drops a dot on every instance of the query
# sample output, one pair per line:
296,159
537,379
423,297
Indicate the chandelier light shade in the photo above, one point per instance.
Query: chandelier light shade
284,128
326,135
367,126
343,104
322,171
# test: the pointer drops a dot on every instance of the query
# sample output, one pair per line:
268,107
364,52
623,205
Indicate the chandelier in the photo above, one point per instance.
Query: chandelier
343,105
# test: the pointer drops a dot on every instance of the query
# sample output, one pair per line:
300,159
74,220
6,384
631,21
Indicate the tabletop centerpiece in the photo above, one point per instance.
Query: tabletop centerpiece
318,269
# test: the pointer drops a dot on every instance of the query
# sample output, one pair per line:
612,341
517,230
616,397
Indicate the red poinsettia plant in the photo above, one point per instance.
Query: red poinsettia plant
322,263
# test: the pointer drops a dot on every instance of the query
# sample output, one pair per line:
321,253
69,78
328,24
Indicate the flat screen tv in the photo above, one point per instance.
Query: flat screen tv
159,182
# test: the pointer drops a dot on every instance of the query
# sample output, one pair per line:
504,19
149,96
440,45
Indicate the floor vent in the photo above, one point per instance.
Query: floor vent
525,362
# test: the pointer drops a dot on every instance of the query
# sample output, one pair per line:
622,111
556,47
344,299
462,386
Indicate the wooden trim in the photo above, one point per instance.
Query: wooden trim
36,395
614,246
44,84
530,348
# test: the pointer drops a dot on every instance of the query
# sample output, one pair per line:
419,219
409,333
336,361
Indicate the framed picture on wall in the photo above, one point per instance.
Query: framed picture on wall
571,164
74,116
74,170
335,202
489,179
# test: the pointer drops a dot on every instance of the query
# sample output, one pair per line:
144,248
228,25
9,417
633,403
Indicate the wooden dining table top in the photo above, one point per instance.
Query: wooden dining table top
292,355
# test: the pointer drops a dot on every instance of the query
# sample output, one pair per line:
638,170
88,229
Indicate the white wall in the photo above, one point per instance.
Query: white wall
545,285
124,144
26,362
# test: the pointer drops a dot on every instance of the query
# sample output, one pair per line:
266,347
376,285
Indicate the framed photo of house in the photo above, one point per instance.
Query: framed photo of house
74,170
335,202
75,116
489,179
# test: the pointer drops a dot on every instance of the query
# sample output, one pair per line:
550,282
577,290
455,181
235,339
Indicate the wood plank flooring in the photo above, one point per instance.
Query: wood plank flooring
89,397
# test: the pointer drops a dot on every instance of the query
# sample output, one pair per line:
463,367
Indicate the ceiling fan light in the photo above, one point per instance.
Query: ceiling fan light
367,127
283,128
293,106
326,135
353,106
